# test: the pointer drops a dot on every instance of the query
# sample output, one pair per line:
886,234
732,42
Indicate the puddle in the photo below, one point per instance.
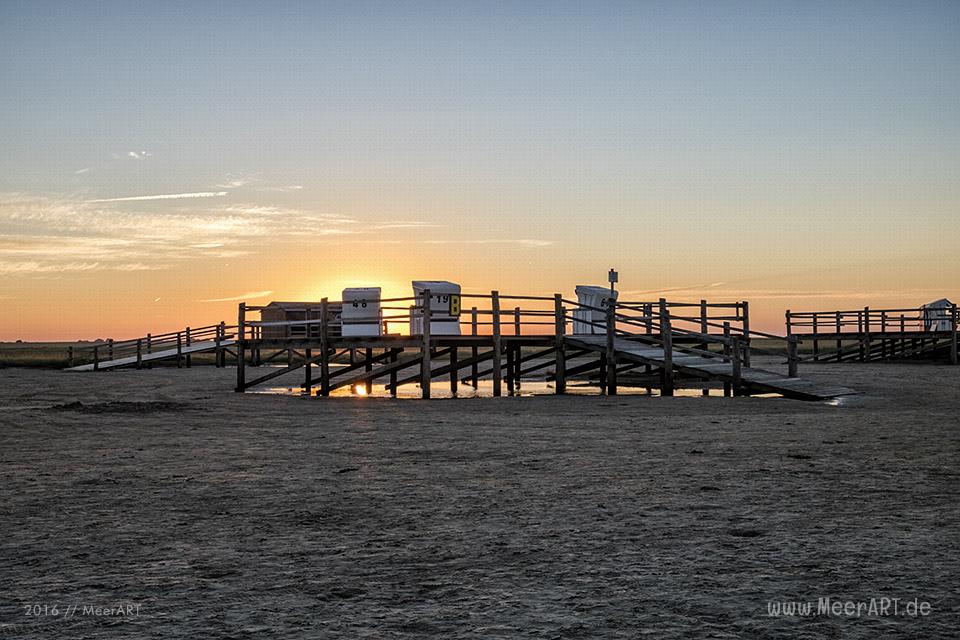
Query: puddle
441,389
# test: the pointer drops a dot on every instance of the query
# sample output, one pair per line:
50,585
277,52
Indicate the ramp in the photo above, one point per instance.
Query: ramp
164,354
751,379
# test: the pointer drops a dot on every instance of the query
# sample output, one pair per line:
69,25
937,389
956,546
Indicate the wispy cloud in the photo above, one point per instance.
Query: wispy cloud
235,182
34,267
405,224
79,171
281,189
43,235
526,242
250,295
164,196
138,155
696,287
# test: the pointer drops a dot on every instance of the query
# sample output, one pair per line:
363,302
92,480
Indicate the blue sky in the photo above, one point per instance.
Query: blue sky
585,128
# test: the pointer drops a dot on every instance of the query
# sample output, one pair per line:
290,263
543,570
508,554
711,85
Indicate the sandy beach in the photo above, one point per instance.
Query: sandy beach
256,516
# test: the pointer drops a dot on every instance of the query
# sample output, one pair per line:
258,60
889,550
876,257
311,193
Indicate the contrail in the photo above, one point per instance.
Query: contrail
166,196
244,296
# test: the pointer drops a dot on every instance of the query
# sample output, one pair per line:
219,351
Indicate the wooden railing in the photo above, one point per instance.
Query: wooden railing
139,348
869,327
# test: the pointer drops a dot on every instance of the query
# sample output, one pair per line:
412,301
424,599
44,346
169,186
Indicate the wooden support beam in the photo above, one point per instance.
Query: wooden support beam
497,373
839,328
393,371
954,319
705,330
727,350
510,370
445,369
736,348
454,370
560,329
307,380
324,348
425,364
792,359
666,340
368,366
241,338
746,333
611,352
866,330
474,377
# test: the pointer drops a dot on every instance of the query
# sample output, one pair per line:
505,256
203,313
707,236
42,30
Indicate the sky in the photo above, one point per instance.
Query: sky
163,161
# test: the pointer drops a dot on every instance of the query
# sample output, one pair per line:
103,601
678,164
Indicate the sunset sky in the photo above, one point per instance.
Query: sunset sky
161,161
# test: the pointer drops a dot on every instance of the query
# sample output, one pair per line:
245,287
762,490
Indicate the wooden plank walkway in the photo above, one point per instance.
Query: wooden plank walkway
752,379
165,354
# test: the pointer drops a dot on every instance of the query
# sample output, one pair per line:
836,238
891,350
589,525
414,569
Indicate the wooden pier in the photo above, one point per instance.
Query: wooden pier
666,343
867,334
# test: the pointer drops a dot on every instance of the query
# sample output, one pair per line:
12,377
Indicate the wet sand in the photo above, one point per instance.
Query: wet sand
255,516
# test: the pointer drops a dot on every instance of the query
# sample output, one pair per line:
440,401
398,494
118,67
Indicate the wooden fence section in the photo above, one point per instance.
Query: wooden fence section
500,333
877,334
177,346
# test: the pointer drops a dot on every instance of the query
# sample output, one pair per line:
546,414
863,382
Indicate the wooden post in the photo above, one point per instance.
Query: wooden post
746,333
495,304
324,348
70,356
839,340
241,338
648,322
393,372
792,356
737,382
559,329
510,370
602,372
727,387
704,327
454,370
110,348
217,338
866,330
149,349
705,330
666,339
883,335
792,347
179,350
368,367
425,363
189,342
474,351
307,378
611,351
953,335
517,353
96,357
816,341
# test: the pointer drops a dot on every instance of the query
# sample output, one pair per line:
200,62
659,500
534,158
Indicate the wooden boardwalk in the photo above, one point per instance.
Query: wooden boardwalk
674,343
155,356
752,380
878,334
178,346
